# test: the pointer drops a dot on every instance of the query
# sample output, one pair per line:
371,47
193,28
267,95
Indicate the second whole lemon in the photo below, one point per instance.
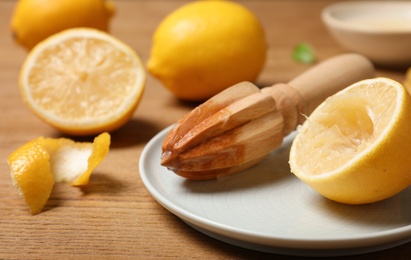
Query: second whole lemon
206,46
34,20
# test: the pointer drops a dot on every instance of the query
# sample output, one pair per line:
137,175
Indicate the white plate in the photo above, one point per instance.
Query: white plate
266,208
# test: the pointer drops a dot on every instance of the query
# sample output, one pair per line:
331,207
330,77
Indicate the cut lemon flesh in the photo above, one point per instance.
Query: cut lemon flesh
354,147
345,127
37,165
82,81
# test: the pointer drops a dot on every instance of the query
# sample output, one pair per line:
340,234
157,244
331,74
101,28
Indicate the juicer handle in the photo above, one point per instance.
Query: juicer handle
303,94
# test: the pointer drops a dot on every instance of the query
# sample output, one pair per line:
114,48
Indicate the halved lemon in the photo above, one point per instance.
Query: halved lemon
355,147
82,81
37,165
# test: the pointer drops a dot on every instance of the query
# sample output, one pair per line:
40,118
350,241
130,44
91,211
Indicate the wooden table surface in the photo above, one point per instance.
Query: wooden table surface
115,216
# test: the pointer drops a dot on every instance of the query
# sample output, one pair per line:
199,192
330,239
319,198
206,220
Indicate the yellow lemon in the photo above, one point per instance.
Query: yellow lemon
31,174
73,162
82,81
34,20
37,165
407,80
355,147
206,46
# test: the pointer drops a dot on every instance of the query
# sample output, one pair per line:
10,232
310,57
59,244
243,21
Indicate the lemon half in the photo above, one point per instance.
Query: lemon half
355,147
83,81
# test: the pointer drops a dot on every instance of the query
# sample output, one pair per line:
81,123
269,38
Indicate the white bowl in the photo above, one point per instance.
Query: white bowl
380,30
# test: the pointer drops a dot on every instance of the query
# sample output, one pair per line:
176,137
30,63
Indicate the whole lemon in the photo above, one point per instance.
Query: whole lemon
34,20
206,46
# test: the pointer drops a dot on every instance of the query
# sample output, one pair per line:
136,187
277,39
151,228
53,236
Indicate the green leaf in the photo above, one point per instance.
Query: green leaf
303,53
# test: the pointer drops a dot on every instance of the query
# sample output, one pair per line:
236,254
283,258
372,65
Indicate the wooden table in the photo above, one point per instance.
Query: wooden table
115,216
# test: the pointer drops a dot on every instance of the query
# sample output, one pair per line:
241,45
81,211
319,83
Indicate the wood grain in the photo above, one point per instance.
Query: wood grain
114,217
